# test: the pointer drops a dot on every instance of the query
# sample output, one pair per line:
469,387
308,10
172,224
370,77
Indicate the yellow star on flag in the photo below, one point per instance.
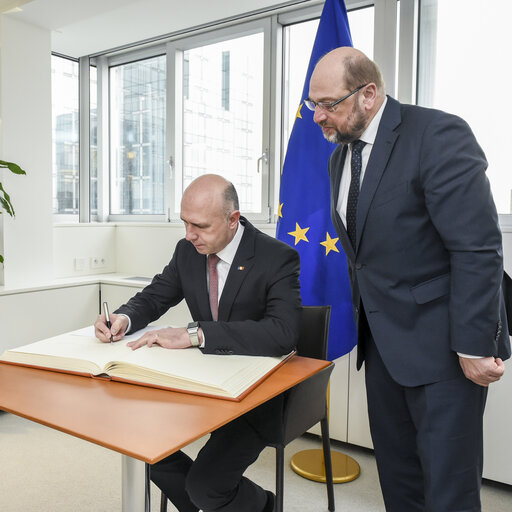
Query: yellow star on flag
298,114
299,233
330,244
280,210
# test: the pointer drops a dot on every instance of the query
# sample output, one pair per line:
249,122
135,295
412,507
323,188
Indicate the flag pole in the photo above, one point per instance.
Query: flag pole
305,222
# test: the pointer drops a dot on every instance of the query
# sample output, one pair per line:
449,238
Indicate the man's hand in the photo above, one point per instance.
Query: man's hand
482,371
170,337
118,329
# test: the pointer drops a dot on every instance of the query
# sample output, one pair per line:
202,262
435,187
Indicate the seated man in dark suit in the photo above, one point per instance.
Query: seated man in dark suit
242,289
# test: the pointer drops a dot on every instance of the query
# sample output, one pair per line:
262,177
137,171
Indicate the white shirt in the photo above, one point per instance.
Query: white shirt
367,136
226,255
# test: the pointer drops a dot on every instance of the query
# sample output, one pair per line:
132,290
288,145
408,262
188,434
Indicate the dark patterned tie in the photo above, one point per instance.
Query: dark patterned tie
213,292
353,191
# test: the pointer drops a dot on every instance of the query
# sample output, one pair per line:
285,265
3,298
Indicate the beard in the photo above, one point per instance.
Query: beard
356,124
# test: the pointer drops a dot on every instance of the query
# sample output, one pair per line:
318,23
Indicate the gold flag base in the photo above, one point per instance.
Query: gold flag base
310,464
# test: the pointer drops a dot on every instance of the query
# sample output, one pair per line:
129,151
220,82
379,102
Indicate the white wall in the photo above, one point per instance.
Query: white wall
26,138
129,248
84,249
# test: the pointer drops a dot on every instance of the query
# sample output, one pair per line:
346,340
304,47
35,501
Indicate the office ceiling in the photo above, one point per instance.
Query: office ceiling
91,26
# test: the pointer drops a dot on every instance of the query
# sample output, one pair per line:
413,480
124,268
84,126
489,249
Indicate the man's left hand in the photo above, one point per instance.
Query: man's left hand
482,371
170,337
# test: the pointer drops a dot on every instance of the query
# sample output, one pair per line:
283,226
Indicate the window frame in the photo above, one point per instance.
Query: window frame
175,51
395,48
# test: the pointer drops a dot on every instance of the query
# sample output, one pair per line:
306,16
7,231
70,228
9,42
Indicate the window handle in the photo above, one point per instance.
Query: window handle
170,163
262,159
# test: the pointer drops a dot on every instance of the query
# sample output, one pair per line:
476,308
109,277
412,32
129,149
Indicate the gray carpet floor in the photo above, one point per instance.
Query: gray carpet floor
47,471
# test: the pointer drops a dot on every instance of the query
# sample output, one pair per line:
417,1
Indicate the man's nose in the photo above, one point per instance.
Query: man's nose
319,115
190,234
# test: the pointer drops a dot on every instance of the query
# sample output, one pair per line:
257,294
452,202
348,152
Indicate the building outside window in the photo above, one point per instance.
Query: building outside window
65,135
223,115
137,137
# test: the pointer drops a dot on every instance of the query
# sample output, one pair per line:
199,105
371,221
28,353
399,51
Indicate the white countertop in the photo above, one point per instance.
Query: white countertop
113,278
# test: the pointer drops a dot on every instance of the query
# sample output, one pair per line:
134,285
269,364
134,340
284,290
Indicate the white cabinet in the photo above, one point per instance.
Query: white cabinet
497,429
33,315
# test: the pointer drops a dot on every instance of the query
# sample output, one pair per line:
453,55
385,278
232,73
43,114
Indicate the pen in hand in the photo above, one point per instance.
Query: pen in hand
107,317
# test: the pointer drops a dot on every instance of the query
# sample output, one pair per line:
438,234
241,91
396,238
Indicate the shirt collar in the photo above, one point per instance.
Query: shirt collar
370,133
228,253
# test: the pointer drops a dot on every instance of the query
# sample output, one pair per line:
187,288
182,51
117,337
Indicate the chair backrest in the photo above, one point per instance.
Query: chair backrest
306,402
314,331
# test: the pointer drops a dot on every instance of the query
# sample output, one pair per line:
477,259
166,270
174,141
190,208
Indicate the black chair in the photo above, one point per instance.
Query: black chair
306,403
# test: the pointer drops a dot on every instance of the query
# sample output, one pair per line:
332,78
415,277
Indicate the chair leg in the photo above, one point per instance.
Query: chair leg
326,443
279,478
147,490
163,503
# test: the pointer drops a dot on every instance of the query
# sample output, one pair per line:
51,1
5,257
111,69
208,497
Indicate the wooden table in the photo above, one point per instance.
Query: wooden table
122,417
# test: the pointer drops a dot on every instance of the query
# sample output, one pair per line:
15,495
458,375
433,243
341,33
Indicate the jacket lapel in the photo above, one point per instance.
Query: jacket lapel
240,268
381,151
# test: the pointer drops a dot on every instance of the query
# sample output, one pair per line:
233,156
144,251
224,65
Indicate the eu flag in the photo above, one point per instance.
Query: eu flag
304,206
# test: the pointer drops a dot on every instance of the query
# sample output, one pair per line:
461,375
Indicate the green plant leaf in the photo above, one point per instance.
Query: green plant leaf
5,201
15,168
1,259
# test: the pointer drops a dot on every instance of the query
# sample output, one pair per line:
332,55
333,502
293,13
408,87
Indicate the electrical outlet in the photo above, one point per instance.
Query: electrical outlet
98,262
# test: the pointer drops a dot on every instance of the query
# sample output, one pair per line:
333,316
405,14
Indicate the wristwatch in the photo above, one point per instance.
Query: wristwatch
192,329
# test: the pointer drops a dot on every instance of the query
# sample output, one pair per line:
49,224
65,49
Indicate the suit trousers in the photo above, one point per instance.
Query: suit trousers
427,439
214,482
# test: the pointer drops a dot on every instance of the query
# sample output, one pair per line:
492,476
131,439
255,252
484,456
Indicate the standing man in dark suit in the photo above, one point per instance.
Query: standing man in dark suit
242,289
413,210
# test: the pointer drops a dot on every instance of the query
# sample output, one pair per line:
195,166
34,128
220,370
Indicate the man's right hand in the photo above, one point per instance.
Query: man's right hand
118,329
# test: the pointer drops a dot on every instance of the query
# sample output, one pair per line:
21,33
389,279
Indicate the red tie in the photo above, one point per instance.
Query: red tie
213,259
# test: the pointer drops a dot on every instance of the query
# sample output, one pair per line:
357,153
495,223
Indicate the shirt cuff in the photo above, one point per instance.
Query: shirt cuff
469,356
129,322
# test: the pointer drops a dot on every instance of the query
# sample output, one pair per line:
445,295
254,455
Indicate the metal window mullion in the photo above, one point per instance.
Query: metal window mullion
384,44
103,139
276,117
267,140
84,139
408,51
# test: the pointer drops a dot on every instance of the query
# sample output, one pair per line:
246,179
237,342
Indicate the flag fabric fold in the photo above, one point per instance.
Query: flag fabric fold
304,206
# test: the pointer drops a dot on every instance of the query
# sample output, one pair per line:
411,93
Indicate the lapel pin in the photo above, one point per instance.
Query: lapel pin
241,268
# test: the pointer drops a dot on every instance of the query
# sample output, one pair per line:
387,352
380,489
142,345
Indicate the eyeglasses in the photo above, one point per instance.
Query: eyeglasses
330,106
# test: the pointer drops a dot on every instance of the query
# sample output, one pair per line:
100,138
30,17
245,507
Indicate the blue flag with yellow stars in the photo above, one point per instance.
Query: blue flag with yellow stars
304,206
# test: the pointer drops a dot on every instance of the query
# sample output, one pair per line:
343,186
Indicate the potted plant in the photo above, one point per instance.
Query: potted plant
5,200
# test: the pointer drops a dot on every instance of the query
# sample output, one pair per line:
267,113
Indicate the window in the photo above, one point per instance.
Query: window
214,100
137,137
223,116
93,156
65,133
299,43
460,66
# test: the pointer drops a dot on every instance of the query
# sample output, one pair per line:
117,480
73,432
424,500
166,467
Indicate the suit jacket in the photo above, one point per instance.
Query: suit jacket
428,263
259,309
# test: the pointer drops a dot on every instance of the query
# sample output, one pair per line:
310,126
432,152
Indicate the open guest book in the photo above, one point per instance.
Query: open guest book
188,370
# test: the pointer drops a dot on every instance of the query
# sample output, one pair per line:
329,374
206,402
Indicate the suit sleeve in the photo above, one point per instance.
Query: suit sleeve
460,204
273,331
164,292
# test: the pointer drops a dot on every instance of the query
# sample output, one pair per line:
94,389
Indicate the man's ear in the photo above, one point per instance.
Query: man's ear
233,218
369,95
